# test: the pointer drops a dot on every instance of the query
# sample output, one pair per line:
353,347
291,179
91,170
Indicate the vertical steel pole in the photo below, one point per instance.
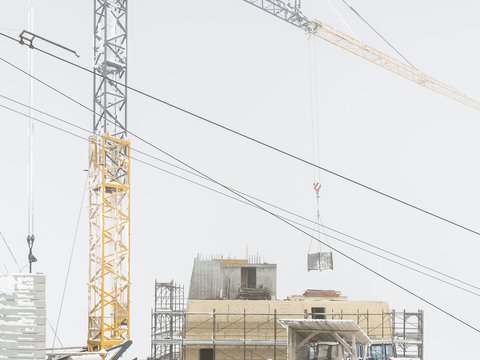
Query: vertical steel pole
244,335
213,335
275,334
404,331
368,321
383,325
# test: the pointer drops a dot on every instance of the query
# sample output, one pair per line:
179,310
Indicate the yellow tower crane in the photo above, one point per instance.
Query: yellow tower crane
109,175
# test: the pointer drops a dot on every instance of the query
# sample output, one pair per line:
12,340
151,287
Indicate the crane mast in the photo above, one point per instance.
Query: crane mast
292,14
109,182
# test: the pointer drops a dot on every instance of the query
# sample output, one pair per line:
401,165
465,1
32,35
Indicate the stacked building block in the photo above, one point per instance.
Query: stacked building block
22,317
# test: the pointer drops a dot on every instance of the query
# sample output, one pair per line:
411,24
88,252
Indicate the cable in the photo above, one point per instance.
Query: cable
376,32
54,334
271,147
271,205
44,122
396,284
45,113
10,37
311,236
325,234
334,8
79,127
70,260
10,250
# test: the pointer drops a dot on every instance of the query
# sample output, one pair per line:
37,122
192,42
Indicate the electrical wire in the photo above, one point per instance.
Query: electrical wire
51,327
10,251
70,260
266,203
327,235
376,32
292,225
366,267
259,142
9,37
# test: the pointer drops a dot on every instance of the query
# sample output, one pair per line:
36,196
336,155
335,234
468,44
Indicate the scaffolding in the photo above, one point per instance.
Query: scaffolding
258,336
167,321
408,333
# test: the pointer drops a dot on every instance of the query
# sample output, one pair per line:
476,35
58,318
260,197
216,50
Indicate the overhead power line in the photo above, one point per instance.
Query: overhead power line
287,222
262,201
271,147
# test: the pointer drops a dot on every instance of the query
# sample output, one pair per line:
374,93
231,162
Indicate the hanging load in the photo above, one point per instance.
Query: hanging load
320,260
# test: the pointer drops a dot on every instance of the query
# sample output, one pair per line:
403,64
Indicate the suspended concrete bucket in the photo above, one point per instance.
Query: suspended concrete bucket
320,261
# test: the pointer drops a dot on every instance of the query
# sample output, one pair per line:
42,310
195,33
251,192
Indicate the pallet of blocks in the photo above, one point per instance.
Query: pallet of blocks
22,317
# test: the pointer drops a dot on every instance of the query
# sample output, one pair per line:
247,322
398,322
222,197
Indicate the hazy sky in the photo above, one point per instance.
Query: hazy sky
237,65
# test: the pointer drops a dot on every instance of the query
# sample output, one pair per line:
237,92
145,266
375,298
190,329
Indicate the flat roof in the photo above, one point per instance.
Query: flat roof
324,330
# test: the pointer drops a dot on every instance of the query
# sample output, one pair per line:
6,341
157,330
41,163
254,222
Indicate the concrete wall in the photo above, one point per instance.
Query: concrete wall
231,281
232,276
221,279
206,281
267,278
22,316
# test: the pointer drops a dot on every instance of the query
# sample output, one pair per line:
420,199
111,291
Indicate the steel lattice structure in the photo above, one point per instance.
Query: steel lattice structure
109,175
282,10
168,321
110,63
293,15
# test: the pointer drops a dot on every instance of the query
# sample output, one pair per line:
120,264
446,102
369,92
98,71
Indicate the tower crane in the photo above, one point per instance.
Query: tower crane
109,183
109,155
291,13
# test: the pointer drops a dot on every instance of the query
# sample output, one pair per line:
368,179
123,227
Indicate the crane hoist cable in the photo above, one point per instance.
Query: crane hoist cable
321,259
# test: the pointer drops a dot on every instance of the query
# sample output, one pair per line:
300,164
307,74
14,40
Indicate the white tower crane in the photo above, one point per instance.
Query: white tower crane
292,14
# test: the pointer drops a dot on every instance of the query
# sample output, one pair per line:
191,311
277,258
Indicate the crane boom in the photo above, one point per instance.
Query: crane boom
294,16
349,43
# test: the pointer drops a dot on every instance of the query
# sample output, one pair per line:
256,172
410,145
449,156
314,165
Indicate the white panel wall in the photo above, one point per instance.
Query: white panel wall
22,316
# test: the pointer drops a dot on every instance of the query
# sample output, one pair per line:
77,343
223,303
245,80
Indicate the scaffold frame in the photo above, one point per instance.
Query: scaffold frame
257,336
168,317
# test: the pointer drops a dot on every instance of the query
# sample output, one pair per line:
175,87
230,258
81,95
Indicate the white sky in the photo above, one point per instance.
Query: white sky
235,64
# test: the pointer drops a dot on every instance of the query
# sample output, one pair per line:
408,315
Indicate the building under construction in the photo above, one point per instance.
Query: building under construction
232,312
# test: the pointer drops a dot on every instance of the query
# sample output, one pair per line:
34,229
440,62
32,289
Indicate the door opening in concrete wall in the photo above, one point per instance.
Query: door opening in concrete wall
318,313
205,354
249,277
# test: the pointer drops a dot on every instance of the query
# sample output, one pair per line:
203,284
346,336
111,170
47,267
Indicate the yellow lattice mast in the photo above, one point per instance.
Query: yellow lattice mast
109,173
